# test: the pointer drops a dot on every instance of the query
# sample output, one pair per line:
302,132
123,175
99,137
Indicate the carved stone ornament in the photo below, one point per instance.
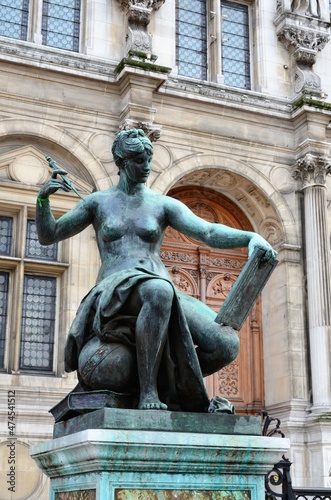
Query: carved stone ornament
147,4
312,170
309,8
152,130
139,15
304,35
228,380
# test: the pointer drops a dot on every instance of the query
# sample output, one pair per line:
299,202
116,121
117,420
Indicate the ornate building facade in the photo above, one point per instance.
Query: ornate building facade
236,96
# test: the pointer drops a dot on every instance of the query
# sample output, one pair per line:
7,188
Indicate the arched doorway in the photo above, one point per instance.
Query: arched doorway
209,274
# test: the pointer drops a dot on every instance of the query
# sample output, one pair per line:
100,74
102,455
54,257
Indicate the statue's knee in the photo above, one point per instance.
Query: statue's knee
159,292
230,344
227,344
234,347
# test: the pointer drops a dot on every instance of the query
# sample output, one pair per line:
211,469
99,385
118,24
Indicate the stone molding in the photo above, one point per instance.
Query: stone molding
139,15
312,170
107,450
303,36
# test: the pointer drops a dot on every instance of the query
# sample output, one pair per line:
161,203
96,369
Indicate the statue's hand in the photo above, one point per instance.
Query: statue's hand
258,242
53,184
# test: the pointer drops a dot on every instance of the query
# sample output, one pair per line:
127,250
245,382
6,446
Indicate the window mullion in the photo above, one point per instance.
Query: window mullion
35,18
19,235
18,283
214,37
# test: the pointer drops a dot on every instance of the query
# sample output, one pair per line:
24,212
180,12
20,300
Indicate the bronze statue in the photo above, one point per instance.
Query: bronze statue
134,333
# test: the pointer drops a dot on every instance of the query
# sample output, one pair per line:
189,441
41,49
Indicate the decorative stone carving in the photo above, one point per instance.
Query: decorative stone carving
139,15
153,131
221,286
246,202
181,281
272,233
255,193
229,379
313,8
204,211
179,257
147,4
224,262
303,26
312,169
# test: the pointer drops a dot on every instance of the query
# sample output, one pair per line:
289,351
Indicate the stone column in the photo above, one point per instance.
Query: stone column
312,170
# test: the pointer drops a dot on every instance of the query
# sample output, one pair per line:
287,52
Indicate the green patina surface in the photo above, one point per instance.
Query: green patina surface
124,494
76,495
311,102
145,65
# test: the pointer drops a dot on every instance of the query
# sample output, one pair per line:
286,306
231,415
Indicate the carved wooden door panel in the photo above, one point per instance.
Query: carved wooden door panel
208,274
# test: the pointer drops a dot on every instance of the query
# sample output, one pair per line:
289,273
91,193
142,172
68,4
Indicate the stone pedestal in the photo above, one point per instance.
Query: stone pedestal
158,455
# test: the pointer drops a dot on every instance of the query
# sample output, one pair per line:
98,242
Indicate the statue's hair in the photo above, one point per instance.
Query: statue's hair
129,143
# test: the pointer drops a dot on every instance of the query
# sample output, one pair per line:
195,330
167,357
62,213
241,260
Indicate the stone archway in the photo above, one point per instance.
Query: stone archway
208,274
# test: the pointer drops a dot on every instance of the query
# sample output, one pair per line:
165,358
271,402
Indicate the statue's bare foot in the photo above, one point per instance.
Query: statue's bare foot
152,404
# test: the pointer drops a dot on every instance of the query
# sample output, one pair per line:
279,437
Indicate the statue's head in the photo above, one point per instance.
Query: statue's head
129,143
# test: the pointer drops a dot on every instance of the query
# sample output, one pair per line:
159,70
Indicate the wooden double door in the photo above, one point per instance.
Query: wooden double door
208,274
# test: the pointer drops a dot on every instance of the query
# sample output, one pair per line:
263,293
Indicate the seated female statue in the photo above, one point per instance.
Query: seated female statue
134,332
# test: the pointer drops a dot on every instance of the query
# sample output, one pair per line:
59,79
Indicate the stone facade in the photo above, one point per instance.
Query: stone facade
270,149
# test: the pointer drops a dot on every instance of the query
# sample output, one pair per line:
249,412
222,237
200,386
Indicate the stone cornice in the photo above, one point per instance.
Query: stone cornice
29,54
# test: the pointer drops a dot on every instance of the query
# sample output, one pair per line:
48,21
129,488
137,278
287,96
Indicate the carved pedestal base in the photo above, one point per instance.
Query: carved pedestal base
154,454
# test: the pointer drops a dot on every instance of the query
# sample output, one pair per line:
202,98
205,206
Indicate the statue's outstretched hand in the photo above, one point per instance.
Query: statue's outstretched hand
258,242
54,184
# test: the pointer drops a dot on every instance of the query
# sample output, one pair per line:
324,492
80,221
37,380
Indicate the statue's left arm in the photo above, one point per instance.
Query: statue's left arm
180,217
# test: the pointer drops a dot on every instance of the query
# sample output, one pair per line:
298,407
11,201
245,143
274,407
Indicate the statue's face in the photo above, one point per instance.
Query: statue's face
138,167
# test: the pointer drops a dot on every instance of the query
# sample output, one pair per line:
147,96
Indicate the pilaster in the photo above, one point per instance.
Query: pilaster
312,171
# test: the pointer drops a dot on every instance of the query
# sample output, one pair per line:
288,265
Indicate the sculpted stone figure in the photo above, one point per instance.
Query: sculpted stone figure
314,8
134,333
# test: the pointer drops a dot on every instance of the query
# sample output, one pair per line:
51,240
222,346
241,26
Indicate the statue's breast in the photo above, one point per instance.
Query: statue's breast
144,227
112,230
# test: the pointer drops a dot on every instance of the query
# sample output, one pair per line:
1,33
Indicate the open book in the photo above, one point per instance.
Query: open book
244,293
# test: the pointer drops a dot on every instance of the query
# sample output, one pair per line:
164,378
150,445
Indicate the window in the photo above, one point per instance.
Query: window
191,38
58,20
60,24
214,44
235,45
14,18
29,274
38,319
4,278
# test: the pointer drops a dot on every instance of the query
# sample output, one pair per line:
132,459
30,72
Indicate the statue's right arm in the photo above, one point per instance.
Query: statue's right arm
50,230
